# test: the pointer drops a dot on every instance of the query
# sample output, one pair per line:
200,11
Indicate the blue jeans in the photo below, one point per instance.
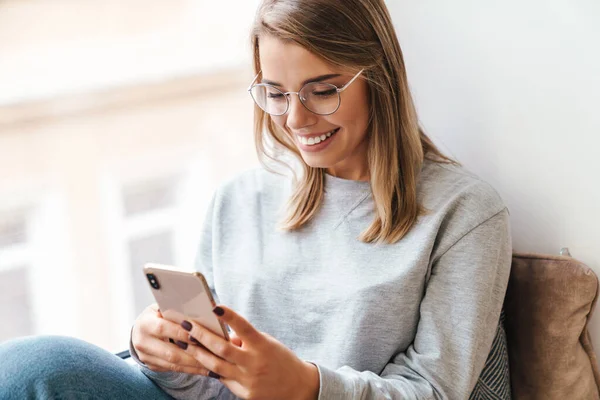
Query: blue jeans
55,367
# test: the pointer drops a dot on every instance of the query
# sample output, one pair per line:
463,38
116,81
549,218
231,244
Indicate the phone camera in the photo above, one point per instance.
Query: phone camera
153,281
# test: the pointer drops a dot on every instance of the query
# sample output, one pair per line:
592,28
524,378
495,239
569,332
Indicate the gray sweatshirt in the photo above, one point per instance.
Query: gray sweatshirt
411,320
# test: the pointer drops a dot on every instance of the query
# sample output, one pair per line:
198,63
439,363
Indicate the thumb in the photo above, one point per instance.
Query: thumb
154,307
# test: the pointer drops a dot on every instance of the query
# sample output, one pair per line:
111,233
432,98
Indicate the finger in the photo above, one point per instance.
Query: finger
154,307
214,363
197,343
239,324
159,365
164,329
171,353
214,343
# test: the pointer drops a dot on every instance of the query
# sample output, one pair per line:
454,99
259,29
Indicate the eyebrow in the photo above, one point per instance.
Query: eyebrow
315,79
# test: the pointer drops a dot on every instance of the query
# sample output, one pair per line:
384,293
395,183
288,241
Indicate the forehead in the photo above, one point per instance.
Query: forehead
288,63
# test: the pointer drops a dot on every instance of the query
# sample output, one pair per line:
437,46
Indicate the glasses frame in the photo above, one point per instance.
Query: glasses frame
338,90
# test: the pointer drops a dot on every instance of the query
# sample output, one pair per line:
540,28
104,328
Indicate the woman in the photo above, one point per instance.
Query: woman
378,271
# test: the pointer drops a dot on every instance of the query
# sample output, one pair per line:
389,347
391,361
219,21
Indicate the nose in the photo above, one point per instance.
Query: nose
298,116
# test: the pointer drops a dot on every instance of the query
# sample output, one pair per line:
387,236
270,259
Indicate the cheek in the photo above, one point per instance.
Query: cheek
355,120
354,115
280,122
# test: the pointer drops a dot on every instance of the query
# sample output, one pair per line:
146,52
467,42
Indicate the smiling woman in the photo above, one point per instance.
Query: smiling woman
376,270
319,109
336,46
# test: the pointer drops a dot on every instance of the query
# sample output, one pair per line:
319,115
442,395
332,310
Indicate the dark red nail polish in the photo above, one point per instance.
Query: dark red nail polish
186,325
213,375
219,311
182,345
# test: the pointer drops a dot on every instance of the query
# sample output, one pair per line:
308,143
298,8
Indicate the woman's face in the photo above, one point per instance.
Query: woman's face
288,66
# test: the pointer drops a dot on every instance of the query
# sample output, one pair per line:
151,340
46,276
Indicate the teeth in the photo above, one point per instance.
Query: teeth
314,140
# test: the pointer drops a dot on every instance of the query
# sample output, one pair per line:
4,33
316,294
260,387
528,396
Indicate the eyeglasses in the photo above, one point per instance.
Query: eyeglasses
318,97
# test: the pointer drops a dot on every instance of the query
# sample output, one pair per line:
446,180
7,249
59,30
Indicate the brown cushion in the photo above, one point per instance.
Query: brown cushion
548,304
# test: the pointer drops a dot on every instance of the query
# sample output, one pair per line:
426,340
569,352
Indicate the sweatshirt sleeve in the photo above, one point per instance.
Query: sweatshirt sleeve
459,316
182,385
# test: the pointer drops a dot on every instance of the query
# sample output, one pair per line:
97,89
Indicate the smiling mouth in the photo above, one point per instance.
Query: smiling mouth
316,139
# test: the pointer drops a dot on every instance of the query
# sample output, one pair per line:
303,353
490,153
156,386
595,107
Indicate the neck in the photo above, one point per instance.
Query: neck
354,175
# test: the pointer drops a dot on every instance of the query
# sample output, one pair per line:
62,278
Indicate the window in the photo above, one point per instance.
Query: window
13,229
15,303
148,196
118,149
149,208
15,296
157,248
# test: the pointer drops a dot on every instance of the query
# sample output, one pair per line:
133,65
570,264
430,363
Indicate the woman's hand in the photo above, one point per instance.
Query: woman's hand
258,367
150,338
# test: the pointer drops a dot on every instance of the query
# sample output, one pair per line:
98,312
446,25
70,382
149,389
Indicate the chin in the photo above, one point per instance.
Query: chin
316,162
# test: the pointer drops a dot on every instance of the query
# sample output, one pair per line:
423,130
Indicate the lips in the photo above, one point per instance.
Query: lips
311,140
317,145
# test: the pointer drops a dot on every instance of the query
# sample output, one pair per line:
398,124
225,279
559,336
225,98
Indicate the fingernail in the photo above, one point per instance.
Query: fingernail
195,341
219,311
181,344
186,325
213,375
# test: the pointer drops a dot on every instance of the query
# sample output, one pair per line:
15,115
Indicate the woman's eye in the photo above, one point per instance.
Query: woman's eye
274,95
324,93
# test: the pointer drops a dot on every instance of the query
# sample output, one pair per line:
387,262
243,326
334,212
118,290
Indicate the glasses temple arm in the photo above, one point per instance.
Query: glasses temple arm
351,80
254,80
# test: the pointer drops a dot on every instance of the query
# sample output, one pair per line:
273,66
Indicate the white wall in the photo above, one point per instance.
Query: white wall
512,89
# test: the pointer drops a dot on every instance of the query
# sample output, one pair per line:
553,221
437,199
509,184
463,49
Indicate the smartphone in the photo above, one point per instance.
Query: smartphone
183,295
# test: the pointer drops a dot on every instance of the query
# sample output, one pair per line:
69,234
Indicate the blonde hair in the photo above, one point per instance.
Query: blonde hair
352,35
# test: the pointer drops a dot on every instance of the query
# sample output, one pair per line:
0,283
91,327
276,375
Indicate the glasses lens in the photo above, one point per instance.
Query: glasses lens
320,98
269,99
